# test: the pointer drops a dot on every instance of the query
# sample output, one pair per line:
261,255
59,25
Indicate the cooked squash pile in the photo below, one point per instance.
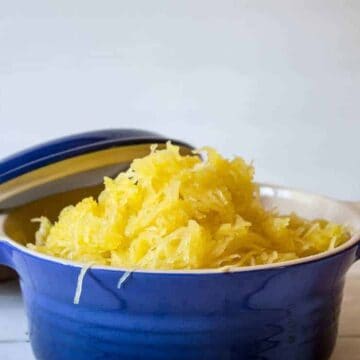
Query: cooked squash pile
170,211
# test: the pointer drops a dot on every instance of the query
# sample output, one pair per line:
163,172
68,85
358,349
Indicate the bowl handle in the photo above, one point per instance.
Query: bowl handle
6,254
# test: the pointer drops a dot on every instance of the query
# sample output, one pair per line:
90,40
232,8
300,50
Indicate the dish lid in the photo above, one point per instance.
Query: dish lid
73,162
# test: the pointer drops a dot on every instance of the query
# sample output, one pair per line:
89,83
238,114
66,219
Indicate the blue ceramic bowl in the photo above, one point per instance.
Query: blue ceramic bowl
278,312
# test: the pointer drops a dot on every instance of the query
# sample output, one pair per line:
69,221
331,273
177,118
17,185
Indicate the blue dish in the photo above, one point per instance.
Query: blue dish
71,146
274,312
75,161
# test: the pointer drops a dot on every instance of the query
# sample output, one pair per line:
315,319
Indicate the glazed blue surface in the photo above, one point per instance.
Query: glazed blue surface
70,146
274,314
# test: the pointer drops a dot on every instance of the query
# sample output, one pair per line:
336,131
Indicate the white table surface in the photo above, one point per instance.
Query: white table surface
14,343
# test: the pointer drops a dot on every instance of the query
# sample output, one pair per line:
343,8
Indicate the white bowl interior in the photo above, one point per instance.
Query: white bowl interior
310,206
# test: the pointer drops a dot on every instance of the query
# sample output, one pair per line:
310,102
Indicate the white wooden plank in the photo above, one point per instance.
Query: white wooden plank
16,351
347,349
350,310
355,269
13,323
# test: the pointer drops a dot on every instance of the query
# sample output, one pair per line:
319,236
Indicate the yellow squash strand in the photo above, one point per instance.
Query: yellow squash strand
170,211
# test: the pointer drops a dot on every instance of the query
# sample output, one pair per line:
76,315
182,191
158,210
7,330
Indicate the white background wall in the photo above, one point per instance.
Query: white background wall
275,81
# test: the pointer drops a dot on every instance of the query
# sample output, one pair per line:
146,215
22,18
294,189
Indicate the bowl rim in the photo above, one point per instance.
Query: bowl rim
352,242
